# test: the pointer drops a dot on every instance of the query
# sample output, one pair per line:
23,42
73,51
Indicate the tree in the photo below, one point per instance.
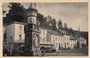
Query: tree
59,24
41,19
65,26
54,24
16,13
4,12
3,16
71,31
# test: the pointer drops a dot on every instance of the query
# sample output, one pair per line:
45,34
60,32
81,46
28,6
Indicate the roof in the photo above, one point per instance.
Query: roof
73,38
32,5
81,38
63,32
54,32
16,23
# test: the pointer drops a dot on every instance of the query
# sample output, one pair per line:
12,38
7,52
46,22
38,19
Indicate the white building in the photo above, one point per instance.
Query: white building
15,32
59,41
43,36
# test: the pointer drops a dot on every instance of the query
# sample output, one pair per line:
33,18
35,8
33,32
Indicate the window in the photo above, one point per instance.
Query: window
20,28
11,38
34,20
59,38
56,44
29,20
43,32
5,34
56,38
53,40
61,44
20,37
66,38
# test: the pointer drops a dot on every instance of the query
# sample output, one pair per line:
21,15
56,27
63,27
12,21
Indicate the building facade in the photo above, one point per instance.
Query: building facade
58,40
15,33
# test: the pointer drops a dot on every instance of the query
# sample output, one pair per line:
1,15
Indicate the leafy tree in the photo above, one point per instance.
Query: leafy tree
41,19
54,24
16,13
71,31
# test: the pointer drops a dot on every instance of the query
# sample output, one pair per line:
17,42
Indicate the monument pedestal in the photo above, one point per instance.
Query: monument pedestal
36,52
32,44
29,52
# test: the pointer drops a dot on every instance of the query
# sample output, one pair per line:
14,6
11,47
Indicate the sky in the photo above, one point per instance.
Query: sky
74,14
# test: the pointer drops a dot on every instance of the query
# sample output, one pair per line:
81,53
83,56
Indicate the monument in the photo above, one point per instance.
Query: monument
31,29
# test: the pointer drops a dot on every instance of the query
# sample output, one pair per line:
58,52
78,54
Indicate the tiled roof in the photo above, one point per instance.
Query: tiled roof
54,32
63,32
81,38
73,38
16,23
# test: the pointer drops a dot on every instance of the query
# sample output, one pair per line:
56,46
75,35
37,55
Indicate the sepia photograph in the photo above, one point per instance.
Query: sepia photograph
45,29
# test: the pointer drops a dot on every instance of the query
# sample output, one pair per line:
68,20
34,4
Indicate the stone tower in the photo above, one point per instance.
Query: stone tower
31,30
32,13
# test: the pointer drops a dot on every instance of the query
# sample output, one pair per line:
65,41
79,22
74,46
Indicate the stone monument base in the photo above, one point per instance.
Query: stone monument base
28,52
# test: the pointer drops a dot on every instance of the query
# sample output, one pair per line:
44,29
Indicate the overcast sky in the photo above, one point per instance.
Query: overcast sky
74,14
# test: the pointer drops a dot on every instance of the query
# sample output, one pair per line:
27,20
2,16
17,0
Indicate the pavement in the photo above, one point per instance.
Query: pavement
70,52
